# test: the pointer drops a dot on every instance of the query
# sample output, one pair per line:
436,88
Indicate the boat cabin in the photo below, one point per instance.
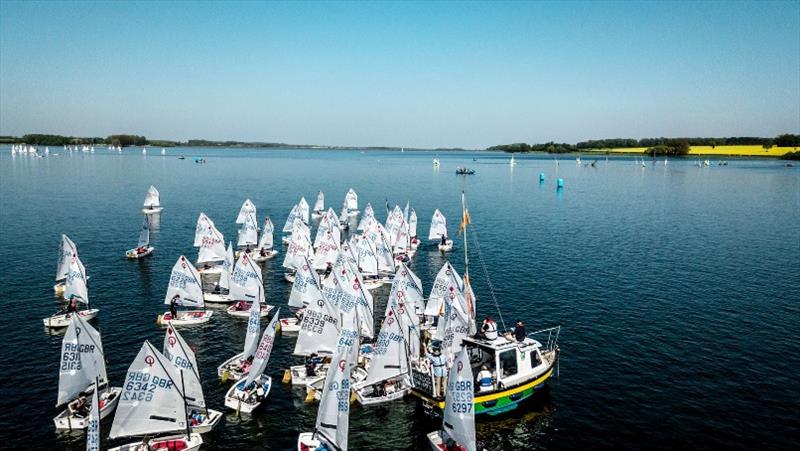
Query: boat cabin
510,362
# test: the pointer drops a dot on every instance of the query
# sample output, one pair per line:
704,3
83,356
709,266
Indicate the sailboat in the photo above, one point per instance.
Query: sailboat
333,415
288,227
74,288
153,402
300,249
265,243
248,235
201,418
436,163
438,231
458,424
219,294
212,246
152,201
533,358
248,394
239,365
82,369
302,210
351,201
143,248
513,162
66,249
185,289
246,287
319,206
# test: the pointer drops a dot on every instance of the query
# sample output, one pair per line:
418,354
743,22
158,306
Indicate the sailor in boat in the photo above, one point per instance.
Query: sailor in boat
484,380
241,306
263,252
79,407
196,417
489,328
253,389
444,240
311,365
244,367
439,370
72,305
519,331
173,306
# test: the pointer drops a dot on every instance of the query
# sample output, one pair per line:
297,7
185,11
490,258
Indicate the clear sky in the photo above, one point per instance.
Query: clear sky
400,74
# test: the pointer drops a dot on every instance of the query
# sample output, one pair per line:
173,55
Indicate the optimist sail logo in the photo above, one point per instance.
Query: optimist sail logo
149,360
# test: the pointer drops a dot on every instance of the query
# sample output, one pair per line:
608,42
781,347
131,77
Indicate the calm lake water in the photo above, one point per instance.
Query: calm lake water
678,287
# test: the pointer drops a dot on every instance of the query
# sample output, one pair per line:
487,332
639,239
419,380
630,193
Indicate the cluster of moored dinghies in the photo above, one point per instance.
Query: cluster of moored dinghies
430,348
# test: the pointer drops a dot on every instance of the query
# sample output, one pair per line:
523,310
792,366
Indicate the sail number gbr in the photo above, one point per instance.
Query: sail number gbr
141,387
461,396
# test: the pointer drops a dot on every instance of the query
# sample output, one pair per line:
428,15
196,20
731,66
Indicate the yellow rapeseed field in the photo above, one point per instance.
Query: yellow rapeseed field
739,151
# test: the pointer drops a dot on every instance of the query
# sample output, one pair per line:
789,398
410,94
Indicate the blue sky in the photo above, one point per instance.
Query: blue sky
407,74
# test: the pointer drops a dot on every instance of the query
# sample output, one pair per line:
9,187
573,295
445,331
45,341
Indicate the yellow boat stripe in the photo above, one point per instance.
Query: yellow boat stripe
503,394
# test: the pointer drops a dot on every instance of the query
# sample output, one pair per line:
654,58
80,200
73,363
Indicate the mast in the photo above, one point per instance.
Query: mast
185,406
467,289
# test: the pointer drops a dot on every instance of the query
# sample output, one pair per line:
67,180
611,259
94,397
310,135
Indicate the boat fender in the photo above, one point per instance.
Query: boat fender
353,396
310,395
287,376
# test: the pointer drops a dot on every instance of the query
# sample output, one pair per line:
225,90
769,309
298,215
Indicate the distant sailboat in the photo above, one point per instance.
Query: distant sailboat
143,248
152,201
513,162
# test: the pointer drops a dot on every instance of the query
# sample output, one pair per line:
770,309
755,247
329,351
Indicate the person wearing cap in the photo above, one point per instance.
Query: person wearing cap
484,379
519,331
489,328
439,370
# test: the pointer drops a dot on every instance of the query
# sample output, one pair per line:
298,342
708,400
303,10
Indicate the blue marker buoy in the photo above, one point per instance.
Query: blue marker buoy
541,177
560,184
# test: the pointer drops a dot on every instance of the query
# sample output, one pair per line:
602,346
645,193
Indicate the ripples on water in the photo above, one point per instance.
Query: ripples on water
677,287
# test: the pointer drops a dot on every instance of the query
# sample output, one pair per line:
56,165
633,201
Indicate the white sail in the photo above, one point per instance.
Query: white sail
351,200
454,324
299,248
333,416
325,225
204,224
181,355
266,240
412,223
383,250
389,357
212,246
75,285
247,209
152,198
367,259
446,278
264,349
184,282
319,205
438,226
347,289
152,399
294,214
319,328
227,269
253,329
305,288
248,234
459,416
144,234
366,223
81,361
66,249
402,237
404,298
93,425
246,281
302,209
327,251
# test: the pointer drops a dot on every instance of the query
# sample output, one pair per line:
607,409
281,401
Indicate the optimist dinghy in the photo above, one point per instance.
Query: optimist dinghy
221,291
388,375
66,249
185,289
82,369
246,288
239,365
201,418
458,424
212,246
351,202
153,402
319,206
248,234
152,201
264,250
74,290
248,394
438,231
143,248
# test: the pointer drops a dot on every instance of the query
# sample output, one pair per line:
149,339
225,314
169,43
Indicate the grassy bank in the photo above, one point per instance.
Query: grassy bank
731,151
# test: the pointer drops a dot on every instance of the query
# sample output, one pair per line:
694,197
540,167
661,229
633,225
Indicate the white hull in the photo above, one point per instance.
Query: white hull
447,247
216,298
229,370
268,254
63,320
437,442
109,400
317,214
286,239
365,394
306,442
209,422
232,310
132,254
352,213
289,326
299,376
190,318
289,277
247,402
167,443
152,210
371,284
213,270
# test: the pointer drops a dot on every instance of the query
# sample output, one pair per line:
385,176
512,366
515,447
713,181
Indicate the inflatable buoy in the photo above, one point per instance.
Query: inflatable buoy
560,183
541,177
